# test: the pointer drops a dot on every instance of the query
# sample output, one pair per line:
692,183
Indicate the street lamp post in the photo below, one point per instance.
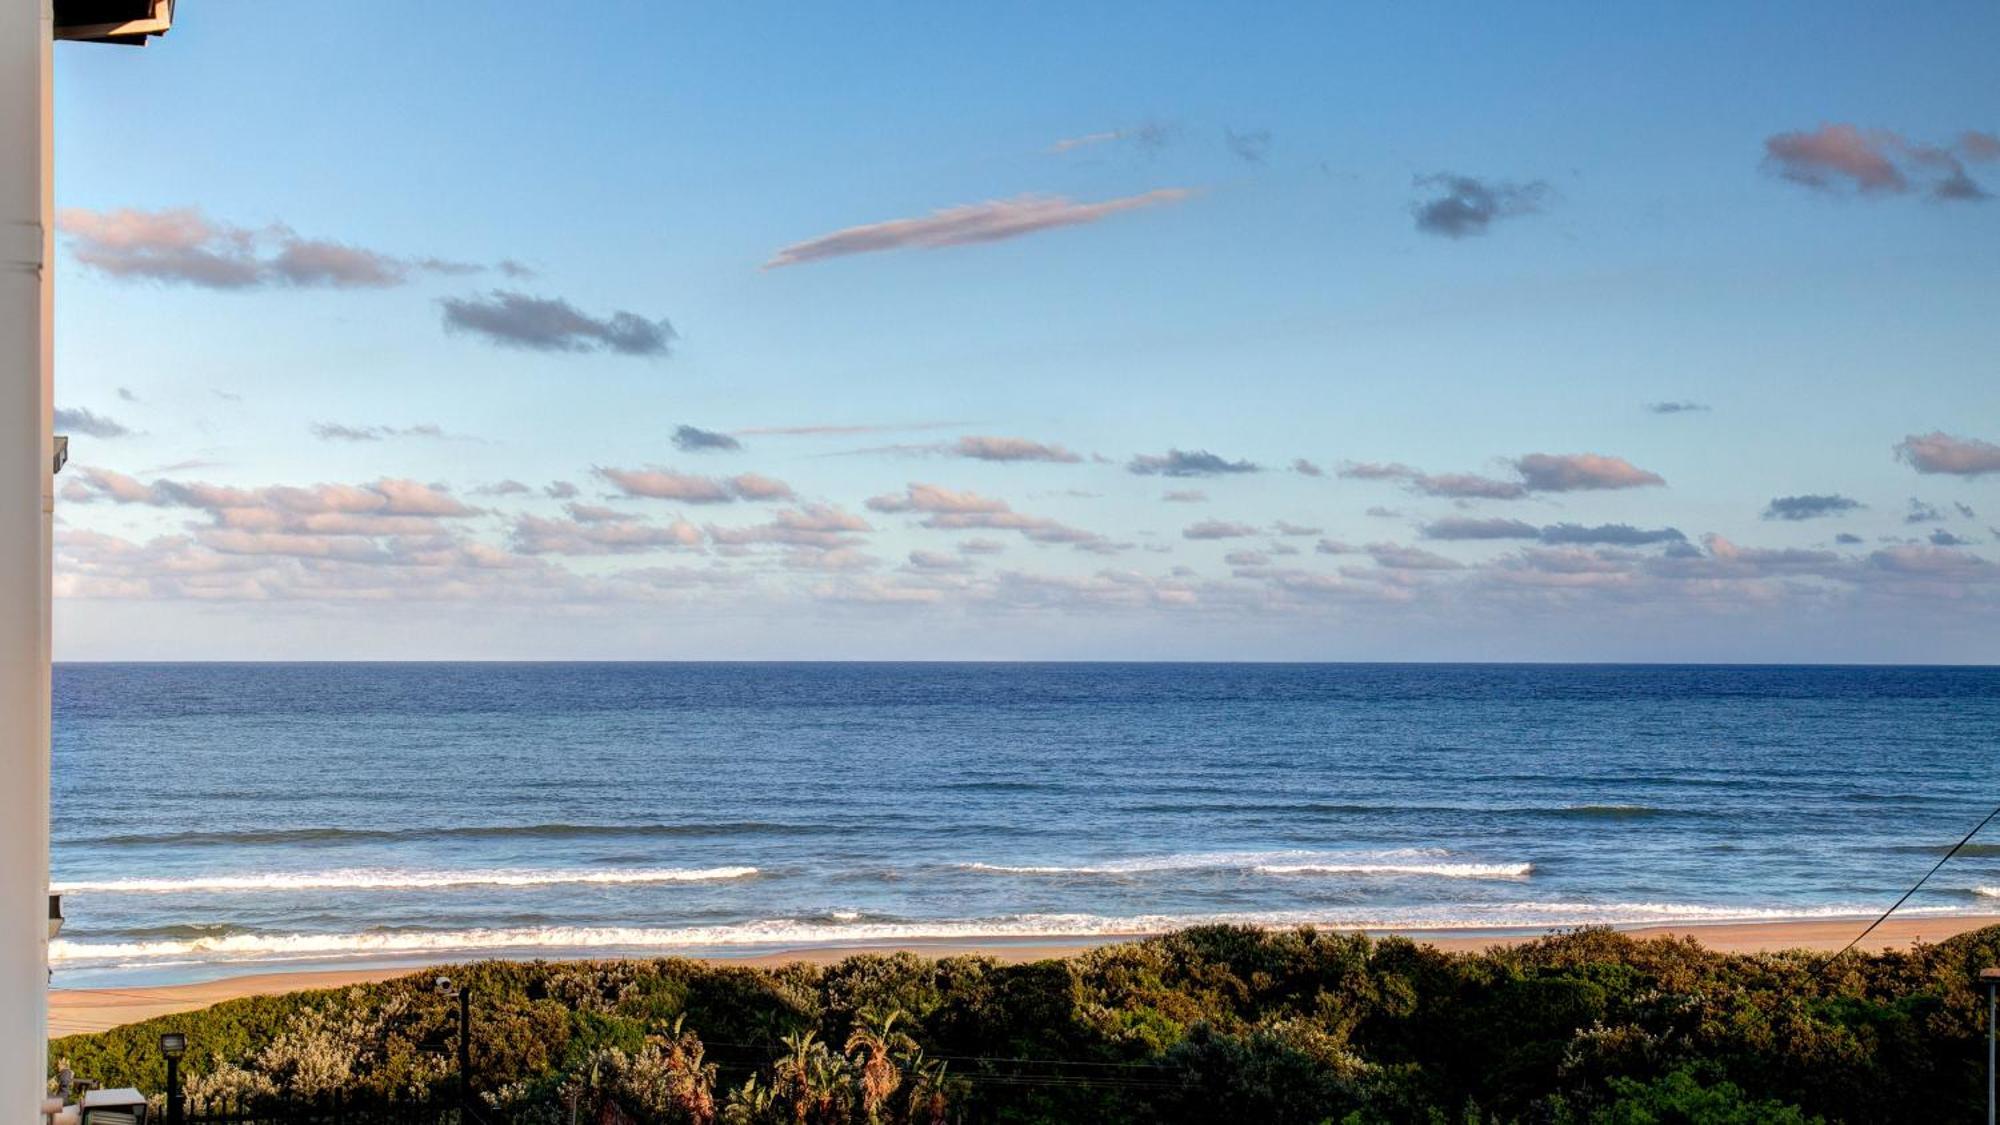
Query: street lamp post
1991,979
173,1044
445,988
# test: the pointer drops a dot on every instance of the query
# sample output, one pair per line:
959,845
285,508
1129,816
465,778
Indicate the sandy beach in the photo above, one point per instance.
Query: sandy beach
76,1010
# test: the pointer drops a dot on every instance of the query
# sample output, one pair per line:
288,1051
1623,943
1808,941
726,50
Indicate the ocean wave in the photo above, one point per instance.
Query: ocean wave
1397,861
237,947
372,880
1610,812
1986,892
1439,870
458,832
1968,850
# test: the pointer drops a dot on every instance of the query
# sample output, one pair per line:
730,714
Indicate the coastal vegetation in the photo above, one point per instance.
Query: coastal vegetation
1208,1024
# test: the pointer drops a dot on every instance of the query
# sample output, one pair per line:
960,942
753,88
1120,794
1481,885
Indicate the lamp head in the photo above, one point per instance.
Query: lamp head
174,1044
1989,976
443,985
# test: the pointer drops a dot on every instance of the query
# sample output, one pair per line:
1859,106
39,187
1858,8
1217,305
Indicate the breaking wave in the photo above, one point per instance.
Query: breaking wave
367,880
1416,862
239,947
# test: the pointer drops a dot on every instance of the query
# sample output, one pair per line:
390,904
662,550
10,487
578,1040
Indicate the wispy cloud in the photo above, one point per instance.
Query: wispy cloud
1188,463
1149,137
694,439
82,421
1464,527
1218,529
1456,486
1578,472
538,535
184,246
337,431
954,510
1810,506
1011,449
1610,534
1842,158
991,221
838,429
547,324
1939,452
689,488
1539,472
1560,534
1676,407
1252,146
1462,206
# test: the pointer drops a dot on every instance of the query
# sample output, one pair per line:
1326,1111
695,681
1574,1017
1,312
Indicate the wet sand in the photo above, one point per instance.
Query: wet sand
74,1010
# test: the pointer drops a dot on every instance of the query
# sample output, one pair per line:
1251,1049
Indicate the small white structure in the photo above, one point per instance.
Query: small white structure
114,1107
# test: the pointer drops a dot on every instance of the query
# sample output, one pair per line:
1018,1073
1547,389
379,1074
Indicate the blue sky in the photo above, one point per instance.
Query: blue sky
1181,227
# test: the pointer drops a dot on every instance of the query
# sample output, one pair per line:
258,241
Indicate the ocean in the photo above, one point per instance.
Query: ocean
212,819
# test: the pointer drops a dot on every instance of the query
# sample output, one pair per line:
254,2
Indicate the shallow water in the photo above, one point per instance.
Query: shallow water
233,818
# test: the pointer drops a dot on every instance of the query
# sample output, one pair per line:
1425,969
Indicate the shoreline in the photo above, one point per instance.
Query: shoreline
79,1010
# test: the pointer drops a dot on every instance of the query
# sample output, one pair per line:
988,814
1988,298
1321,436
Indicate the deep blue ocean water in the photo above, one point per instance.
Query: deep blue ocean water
214,818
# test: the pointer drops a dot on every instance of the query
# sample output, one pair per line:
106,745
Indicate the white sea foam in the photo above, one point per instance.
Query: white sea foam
375,879
263,947
1439,870
1987,892
1395,861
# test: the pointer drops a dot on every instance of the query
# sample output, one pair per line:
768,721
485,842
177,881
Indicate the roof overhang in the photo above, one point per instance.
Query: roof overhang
130,22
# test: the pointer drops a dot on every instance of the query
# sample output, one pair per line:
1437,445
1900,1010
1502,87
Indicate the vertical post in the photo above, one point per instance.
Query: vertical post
465,1051
1992,1013
26,494
176,1114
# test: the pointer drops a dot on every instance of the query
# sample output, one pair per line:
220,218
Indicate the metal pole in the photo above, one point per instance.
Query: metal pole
1992,1012
465,1050
27,485
175,1112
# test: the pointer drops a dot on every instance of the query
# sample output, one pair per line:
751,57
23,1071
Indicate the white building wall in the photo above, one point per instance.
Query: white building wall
26,496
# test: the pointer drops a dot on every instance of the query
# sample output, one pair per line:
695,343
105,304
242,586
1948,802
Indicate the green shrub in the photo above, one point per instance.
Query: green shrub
1215,1023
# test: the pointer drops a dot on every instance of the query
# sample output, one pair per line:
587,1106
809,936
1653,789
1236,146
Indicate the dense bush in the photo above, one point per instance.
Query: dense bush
1209,1024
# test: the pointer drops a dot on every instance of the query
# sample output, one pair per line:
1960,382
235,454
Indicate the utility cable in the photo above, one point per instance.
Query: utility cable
1955,848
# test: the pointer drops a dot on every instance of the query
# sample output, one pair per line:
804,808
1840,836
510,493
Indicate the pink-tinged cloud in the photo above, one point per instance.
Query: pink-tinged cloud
182,245
1877,162
991,221
755,486
1933,562
387,497
307,262
1939,452
1011,449
935,498
689,488
536,535
1579,472
1085,141
1839,155
817,527
950,510
1457,486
